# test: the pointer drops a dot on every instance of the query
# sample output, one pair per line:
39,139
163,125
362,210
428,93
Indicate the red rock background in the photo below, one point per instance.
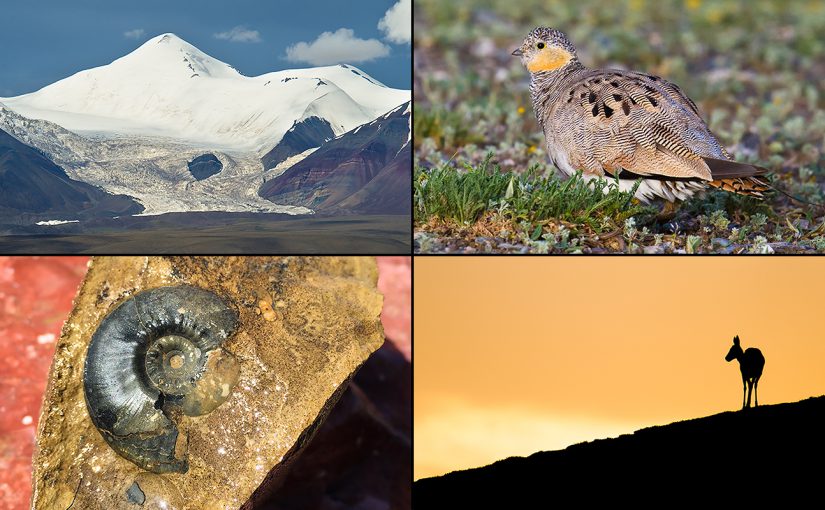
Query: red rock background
36,295
394,281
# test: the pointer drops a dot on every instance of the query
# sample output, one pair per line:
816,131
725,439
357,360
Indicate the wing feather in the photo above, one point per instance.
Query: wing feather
642,124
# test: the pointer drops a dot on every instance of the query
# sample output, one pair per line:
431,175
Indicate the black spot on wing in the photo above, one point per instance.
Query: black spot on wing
608,111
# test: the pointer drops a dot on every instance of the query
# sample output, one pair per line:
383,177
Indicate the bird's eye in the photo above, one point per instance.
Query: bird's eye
540,46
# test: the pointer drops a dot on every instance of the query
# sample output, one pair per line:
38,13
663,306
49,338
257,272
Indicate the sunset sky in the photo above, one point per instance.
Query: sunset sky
514,355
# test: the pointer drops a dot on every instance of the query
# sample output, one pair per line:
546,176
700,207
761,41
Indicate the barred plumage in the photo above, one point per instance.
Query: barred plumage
634,125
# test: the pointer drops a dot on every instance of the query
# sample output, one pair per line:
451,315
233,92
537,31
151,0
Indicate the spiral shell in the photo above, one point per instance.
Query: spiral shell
153,360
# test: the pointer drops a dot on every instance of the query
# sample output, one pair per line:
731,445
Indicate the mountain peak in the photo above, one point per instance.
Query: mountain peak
168,88
167,37
170,53
166,41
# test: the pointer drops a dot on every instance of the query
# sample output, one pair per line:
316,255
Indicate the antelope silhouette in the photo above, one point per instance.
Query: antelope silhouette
751,363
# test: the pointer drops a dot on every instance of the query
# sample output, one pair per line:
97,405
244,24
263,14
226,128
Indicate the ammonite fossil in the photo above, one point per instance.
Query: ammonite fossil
154,360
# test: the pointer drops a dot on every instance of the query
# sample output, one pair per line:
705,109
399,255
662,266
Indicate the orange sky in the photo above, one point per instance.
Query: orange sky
516,355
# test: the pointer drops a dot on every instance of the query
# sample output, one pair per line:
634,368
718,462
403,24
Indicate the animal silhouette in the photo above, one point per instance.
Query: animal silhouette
751,363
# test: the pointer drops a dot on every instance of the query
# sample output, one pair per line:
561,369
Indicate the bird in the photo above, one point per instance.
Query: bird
627,125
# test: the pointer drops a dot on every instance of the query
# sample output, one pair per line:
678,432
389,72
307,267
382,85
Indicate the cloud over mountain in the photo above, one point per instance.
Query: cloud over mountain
337,47
397,22
134,34
240,34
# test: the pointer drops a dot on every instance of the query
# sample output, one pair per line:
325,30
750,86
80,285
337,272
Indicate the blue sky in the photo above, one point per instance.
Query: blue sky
42,41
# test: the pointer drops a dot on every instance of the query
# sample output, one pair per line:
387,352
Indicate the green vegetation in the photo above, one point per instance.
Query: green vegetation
755,69
446,194
529,208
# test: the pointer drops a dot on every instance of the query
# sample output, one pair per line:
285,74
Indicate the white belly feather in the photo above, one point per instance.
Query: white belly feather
649,189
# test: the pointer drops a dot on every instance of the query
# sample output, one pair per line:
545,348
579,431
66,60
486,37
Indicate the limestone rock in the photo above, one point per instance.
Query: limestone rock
362,442
296,358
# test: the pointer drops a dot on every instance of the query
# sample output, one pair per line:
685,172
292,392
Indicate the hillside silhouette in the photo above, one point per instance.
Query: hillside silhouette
749,455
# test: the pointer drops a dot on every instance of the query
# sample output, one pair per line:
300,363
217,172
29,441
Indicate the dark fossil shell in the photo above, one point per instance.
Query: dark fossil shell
154,360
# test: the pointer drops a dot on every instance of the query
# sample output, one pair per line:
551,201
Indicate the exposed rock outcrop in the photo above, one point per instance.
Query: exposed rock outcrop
366,170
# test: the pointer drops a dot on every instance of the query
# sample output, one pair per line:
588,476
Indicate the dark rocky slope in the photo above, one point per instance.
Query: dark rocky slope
309,133
389,192
30,183
366,170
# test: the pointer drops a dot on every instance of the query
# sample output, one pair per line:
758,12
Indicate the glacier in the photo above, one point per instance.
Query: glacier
132,126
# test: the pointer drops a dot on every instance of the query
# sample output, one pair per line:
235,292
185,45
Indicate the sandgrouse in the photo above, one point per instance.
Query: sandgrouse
609,122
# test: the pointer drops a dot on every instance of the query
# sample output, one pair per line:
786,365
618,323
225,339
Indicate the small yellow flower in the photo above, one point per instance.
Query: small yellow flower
714,15
693,4
520,110
531,149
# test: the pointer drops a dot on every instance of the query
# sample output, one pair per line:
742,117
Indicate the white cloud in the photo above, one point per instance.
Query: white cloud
337,47
397,22
240,34
134,34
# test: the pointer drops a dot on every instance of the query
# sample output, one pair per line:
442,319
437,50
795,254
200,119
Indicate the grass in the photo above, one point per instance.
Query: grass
753,67
527,203
506,211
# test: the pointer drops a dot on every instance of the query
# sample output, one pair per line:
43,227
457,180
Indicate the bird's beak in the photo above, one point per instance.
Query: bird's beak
517,53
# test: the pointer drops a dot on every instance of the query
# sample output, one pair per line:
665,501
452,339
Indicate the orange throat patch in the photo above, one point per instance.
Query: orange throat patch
549,59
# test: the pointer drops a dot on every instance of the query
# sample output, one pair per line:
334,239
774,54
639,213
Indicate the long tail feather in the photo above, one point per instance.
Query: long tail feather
744,179
741,178
753,186
722,169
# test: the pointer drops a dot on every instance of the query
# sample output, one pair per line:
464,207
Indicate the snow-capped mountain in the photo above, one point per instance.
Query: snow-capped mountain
366,170
168,88
181,131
